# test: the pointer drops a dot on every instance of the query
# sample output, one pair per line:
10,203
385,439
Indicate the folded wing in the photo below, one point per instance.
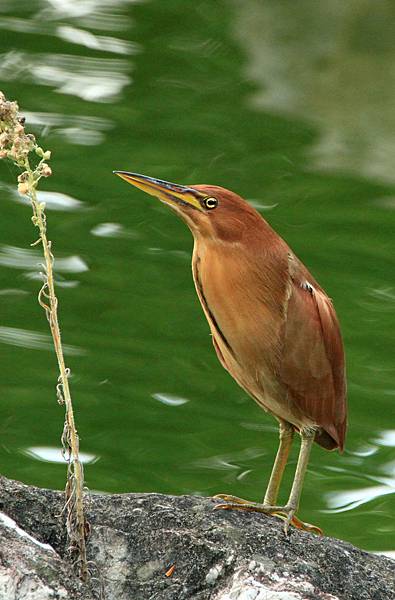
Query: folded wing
312,366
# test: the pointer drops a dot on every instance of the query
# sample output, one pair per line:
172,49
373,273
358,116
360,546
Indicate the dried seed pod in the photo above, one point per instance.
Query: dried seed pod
23,177
46,170
4,140
23,188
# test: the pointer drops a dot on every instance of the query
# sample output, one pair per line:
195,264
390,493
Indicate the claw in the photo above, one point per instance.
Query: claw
298,524
223,506
306,526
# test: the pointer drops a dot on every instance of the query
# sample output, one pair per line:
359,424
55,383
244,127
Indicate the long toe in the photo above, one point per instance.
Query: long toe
296,522
235,503
289,518
231,499
285,513
247,507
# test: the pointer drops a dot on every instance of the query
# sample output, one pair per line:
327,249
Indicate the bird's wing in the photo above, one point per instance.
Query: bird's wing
312,364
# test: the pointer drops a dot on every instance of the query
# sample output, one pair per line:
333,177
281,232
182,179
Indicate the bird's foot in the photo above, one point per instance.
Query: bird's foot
289,518
285,513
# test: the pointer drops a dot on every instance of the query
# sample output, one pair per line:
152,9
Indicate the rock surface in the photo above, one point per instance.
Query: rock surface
136,538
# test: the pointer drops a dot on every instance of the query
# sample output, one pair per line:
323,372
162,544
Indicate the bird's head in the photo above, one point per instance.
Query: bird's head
208,210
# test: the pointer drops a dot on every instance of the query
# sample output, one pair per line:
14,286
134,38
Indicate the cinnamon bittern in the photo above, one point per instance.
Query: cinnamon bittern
273,327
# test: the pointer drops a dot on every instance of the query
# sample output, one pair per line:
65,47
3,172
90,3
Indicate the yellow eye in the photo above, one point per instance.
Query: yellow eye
210,202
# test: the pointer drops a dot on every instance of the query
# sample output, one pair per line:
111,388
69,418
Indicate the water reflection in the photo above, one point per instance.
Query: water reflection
170,399
229,467
74,129
190,119
83,137
92,79
259,205
351,499
386,438
115,230
345,500
161,251
55,455
333,72
70,34
96,42
363,451
378,300
24,338
21,258
230,461
59,281
83,8
386,202
52,200
106,18
13,292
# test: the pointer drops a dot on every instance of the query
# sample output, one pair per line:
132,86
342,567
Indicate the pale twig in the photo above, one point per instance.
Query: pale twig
17,146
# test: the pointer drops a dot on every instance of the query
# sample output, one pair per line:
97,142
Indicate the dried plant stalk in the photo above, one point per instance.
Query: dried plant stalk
18,146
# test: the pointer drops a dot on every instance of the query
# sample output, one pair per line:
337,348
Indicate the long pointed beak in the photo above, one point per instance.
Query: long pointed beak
169,193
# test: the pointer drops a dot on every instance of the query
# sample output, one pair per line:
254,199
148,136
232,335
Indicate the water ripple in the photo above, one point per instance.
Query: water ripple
229,462
21,258
350,499
92,79
70,34
35,340
259,205
54,455
54,200
75,129
345,500
51,119
84,8
386,438
112,230
169,399
96,42
13,292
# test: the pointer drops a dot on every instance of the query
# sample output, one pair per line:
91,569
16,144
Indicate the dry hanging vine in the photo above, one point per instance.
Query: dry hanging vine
21,148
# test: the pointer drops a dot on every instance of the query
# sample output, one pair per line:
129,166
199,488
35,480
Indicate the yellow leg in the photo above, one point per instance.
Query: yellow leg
286,437
301,468
287,512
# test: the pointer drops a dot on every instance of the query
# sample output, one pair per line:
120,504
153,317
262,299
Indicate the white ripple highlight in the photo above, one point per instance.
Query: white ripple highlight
54,201
169,399
55,455
21,258
24,338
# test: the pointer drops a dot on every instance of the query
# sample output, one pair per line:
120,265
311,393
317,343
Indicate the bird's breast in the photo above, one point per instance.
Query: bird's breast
245,320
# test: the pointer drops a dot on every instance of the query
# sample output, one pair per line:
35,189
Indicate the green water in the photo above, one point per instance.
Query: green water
293,109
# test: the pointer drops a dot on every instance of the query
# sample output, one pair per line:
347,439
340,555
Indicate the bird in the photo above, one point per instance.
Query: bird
273,327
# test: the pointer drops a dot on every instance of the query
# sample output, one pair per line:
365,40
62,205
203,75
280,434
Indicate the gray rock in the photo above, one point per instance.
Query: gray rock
136,538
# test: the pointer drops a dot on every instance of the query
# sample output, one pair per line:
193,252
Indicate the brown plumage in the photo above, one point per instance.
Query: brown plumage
274,328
